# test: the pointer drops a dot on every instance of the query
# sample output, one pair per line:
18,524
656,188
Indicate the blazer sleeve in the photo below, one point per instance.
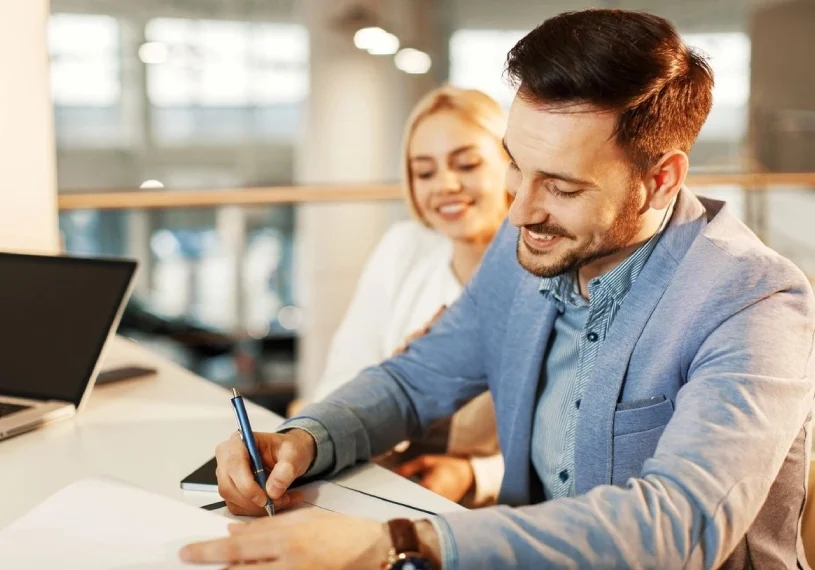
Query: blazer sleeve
402,397
748,395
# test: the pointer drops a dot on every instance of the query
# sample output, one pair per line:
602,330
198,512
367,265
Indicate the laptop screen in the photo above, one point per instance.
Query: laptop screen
55,315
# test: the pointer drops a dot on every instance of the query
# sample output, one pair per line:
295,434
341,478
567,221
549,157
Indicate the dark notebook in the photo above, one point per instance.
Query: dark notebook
202,479
123,373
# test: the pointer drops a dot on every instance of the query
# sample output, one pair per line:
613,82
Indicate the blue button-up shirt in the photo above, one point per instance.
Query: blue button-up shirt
578,334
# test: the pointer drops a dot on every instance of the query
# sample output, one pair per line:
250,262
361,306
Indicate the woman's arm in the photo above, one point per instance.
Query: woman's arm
358,342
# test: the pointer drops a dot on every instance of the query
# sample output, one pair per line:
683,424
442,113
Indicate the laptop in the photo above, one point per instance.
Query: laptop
56,316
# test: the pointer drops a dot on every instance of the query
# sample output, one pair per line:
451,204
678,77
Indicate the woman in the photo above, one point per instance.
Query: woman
454,181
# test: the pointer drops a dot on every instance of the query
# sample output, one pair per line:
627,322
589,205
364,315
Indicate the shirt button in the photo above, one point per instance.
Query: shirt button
564,475
577,404
592,336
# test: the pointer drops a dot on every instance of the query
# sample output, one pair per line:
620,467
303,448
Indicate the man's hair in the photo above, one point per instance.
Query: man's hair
632,63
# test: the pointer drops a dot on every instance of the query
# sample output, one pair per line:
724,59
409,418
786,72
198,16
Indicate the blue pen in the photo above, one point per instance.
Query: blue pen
245,431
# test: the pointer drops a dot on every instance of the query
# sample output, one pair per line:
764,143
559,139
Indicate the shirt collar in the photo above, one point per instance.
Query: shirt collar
615,284
563,289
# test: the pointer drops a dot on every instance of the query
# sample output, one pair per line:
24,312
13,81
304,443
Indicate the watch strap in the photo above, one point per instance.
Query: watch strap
403,536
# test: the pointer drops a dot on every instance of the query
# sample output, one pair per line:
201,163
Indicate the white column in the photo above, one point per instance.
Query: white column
356,113
136,115
28,196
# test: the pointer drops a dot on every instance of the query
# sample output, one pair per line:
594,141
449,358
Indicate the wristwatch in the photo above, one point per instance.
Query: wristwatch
405,553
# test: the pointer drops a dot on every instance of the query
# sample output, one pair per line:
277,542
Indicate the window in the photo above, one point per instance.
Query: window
225,63
86,84
729,56
477,59
225,82
84,60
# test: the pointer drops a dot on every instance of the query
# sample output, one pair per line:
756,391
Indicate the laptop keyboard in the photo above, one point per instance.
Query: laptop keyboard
8,409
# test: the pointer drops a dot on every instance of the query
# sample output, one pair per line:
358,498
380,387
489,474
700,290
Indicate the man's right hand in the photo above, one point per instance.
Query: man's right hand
287,455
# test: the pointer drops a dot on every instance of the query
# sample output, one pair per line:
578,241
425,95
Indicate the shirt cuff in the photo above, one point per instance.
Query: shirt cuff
447,544
488,473
324,457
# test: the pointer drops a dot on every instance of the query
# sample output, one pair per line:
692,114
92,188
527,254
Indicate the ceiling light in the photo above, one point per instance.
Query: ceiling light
376,41
412,61
151,184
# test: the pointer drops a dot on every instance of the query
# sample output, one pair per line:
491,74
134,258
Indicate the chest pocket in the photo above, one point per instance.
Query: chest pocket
637,429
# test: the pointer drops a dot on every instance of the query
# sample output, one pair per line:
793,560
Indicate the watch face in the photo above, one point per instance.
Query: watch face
412,563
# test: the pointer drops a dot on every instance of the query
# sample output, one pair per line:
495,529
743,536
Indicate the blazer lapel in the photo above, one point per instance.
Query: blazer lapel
529,326
595,422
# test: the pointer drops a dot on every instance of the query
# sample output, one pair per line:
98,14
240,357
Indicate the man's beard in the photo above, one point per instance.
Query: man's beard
619,236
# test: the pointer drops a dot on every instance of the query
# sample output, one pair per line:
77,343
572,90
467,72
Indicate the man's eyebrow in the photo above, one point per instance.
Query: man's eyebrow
553,175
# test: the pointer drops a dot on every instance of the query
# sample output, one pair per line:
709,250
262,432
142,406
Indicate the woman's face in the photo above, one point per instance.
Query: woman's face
458,173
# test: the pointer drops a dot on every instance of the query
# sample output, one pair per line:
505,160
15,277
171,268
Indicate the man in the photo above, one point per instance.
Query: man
649,358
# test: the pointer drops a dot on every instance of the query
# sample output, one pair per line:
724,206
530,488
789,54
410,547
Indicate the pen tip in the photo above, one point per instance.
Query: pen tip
235,393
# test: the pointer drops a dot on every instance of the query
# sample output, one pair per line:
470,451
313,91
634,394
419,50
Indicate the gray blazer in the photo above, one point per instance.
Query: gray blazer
692,442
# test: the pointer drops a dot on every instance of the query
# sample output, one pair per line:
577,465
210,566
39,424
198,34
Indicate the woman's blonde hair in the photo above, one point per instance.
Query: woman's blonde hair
472,105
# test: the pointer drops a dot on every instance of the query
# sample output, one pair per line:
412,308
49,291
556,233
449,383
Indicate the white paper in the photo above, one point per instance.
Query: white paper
380,482
102,524
332,497
335,498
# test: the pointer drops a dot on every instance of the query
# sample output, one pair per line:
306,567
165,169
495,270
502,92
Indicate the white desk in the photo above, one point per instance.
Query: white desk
151,432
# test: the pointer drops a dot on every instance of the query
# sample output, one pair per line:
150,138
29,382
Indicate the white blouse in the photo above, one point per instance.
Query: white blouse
406,280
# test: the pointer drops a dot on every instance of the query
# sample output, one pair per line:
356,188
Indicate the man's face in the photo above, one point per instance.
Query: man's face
577,199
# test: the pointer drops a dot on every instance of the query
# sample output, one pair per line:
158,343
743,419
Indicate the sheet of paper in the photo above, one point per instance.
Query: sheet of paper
335,498
332,497
380,482
102,524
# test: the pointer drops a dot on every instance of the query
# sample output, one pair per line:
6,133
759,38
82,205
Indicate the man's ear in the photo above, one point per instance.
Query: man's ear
666,178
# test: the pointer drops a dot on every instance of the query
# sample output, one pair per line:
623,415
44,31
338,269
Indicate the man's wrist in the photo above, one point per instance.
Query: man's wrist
320,447
429,546
308,443
429,542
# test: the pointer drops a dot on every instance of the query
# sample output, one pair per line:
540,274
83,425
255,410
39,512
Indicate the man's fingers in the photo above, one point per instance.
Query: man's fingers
285,502
281,477
284,454
242,511
248,547
241,505
291,463
268,445
288,500
245,482
235,480
292,499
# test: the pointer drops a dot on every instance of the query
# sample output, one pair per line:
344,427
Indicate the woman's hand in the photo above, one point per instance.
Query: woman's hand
446,475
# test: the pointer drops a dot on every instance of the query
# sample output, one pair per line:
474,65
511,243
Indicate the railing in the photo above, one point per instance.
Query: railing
224,260
157,199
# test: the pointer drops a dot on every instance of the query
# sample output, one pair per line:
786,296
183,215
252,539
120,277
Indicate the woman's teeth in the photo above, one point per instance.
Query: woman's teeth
452,208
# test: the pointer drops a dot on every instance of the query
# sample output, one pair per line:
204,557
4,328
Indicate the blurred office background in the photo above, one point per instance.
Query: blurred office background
167,111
